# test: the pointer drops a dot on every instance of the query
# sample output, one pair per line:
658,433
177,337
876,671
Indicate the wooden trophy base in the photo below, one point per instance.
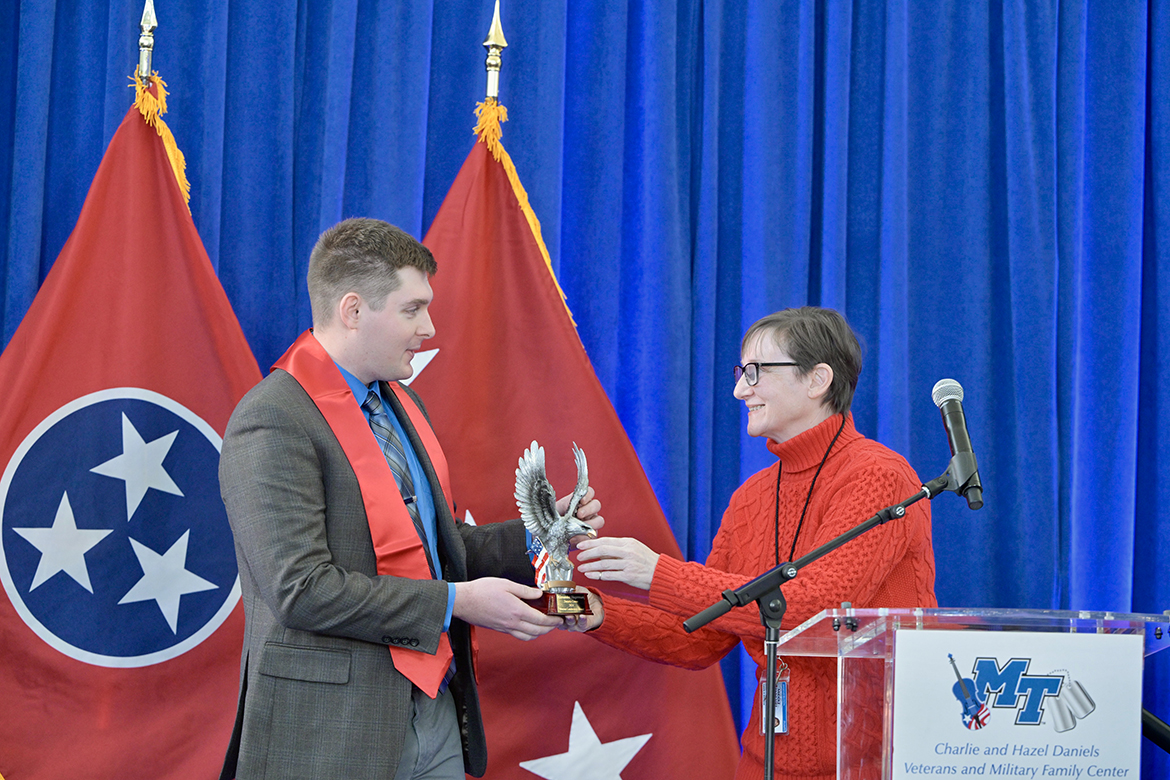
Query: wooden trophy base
561,599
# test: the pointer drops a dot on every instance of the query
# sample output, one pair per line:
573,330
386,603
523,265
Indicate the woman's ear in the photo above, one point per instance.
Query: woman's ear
821,379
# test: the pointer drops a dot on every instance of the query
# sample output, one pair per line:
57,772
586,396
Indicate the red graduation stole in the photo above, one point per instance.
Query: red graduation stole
396,544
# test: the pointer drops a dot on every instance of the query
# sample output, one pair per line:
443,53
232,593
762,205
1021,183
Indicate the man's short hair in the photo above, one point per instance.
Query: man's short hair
812,335
361,255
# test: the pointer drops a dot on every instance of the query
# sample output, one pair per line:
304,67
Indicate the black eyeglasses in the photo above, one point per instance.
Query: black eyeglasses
752,371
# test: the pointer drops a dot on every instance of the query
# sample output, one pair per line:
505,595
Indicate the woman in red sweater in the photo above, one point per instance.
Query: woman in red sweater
799,371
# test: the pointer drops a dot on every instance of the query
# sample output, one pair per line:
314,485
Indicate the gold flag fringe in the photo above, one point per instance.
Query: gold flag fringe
489,115
152,105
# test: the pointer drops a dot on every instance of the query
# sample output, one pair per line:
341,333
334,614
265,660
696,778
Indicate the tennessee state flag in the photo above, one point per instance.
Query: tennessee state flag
509,369
120,628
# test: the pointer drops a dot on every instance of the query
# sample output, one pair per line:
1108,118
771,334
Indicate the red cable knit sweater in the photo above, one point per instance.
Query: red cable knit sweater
890,566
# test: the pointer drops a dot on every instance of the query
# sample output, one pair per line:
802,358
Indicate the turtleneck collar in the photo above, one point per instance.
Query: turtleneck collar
805,450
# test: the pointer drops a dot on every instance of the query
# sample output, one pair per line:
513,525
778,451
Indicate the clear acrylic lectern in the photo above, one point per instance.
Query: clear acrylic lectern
864,641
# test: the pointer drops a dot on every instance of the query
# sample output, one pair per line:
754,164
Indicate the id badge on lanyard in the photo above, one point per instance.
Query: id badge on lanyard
783,675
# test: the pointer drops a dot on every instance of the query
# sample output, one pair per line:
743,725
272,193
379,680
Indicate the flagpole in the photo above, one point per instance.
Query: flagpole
495,44
146,41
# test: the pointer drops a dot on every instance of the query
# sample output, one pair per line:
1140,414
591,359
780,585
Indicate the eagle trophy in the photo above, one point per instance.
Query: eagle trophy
538,509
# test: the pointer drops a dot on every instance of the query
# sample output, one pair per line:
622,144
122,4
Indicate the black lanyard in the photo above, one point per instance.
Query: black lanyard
800,525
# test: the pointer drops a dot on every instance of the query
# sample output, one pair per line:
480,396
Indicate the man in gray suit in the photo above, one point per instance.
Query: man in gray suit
359,587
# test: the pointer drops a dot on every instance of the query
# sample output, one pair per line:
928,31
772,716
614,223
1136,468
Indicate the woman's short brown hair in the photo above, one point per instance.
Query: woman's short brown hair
812,335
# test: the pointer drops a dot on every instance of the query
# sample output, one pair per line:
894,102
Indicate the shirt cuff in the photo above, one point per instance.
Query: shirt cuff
450,606
664,591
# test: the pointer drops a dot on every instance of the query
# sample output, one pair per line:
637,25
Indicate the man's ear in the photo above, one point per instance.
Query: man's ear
350,310
821,379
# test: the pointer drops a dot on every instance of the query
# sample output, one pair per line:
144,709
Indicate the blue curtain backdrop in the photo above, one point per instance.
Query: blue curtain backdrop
982,188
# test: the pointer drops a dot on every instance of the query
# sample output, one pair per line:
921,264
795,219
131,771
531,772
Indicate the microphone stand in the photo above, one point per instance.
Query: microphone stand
765,591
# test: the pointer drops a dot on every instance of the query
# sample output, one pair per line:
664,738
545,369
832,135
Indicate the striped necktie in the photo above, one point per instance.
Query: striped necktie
396,457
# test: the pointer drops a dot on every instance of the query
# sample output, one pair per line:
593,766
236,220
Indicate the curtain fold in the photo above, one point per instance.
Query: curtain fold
980,188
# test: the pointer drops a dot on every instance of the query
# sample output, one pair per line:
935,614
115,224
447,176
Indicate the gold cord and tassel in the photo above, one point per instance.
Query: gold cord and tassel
152,105
490,114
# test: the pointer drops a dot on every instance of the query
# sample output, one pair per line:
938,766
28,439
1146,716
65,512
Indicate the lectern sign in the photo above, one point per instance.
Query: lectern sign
1006,704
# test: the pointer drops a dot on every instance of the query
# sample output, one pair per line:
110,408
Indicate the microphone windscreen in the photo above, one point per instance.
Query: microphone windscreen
946,390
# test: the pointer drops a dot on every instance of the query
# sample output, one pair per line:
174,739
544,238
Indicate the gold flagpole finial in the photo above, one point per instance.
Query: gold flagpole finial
146,41
495,44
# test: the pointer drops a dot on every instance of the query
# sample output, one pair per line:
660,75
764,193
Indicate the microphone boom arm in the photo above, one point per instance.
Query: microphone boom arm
772,579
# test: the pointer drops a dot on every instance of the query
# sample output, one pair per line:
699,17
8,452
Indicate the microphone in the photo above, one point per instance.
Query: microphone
963,473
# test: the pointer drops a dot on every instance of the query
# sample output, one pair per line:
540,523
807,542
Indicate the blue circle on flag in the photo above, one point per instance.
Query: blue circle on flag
114,543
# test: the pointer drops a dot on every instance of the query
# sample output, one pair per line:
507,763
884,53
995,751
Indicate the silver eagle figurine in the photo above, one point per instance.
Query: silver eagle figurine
538,509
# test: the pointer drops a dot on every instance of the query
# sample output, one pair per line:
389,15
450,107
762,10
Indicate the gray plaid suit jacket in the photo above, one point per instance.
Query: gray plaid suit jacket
319,694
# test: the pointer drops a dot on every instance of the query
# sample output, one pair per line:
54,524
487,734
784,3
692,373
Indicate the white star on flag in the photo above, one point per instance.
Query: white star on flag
587,758
165,578
418,363
140,465
63,546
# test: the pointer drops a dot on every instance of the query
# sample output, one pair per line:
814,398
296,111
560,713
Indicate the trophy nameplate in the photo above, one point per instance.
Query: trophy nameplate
561,598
